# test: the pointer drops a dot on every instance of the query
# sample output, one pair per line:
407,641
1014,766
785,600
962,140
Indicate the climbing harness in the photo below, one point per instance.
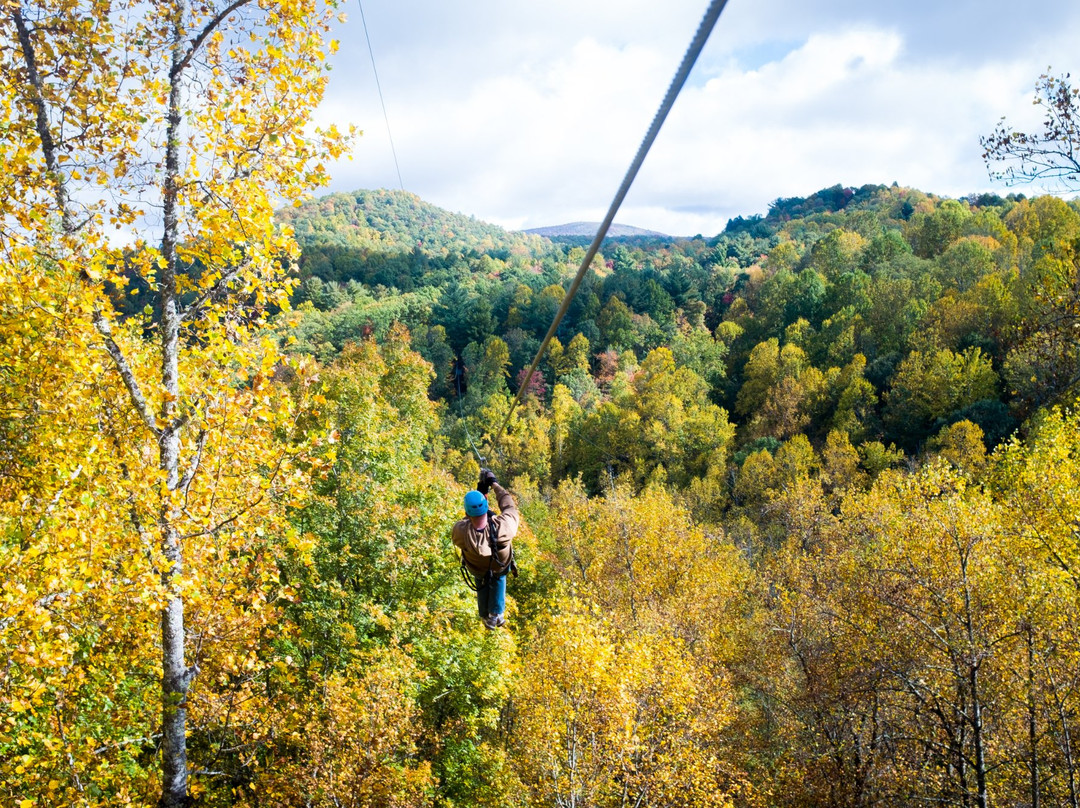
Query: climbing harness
491,574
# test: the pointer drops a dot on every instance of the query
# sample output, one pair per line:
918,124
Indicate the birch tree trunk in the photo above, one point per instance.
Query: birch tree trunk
187,121
175,678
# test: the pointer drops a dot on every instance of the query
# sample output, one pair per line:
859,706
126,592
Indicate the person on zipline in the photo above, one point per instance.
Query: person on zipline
485,540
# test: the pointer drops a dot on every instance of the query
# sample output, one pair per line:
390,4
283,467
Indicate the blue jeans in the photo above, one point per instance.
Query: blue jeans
491,597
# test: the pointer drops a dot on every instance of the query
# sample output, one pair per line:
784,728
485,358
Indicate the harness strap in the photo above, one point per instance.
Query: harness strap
466,573
491,573
493,544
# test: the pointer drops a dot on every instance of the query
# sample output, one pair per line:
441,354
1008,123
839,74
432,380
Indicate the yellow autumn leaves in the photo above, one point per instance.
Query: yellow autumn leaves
623,696
603,719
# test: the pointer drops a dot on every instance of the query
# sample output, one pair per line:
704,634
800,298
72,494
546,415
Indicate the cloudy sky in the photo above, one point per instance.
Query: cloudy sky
527,114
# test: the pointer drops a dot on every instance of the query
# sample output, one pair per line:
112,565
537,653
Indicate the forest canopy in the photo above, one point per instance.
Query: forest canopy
799,500
816,473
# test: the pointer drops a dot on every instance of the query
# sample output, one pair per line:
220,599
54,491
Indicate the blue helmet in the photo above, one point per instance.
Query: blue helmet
475,504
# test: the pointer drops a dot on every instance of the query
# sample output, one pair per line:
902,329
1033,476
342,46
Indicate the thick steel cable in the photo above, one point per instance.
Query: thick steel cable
692,53
378,86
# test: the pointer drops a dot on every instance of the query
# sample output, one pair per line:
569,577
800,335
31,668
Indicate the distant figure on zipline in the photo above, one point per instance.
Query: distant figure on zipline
487,552
457,375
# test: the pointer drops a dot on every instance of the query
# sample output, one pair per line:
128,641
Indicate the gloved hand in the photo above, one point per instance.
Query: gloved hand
487,477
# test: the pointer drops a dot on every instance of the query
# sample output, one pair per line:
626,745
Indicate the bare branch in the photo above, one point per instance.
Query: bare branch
204,34
1048,155
70,758
55,500
41,122
193,466
138,400
215,292
127,742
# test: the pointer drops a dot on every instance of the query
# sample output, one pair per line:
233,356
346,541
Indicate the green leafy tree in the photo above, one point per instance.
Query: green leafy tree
487,370
965,261
616,326
376,617
1043,365
931,233
836,253
928,386
883,249
542,309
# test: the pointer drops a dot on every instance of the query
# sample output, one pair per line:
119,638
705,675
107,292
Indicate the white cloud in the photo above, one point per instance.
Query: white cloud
530,115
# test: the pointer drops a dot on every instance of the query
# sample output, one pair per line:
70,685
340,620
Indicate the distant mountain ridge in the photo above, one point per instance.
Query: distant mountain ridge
589,229
391,221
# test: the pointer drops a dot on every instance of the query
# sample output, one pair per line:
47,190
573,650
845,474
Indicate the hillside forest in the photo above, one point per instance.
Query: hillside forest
799,499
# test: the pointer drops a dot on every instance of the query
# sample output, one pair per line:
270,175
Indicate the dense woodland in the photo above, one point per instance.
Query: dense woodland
800,499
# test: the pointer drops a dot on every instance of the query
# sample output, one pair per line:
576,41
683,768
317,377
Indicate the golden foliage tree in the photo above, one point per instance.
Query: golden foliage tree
609,722
608,700
173,127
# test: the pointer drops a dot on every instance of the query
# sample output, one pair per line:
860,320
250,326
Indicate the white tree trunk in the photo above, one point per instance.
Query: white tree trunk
175,677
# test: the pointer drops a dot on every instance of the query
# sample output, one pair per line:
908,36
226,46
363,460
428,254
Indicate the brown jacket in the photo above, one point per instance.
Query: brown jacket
474,544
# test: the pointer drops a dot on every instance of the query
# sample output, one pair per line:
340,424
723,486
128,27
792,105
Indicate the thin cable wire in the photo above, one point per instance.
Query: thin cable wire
692,53
461,418
386,117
